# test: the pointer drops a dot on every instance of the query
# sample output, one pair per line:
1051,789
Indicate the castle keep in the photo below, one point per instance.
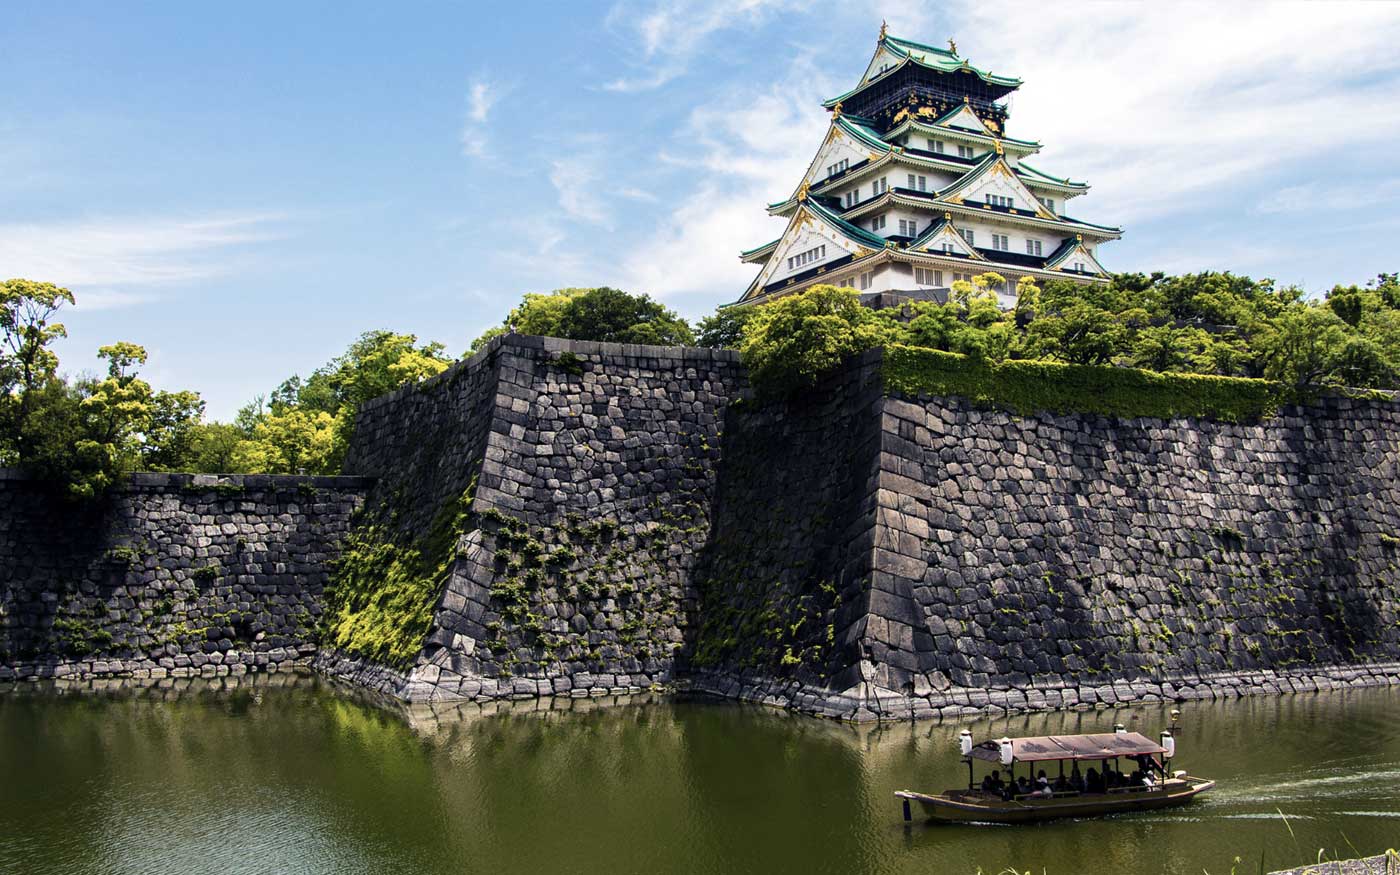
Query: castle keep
917,185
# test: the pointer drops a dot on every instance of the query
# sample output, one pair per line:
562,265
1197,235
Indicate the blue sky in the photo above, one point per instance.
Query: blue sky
244,188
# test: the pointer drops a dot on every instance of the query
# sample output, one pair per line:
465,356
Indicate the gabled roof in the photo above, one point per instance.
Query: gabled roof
1041,176
864,242
758,251
947,119
928,57
995,162
1072,246
944,228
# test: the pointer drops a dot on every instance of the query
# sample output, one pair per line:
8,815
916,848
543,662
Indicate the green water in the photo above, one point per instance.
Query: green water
301,777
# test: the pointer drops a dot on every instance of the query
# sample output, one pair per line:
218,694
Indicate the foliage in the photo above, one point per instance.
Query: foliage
306,424
791,342
725,329
601,314
380,601
27,364
1029,386
1209,323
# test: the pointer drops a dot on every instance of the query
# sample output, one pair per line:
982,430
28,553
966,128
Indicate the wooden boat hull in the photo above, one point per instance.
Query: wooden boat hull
958,806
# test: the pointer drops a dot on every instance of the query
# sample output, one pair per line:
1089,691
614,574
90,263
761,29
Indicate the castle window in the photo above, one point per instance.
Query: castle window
928,277
968,236
866,280
1000,242
852,197
964,151
877,223
1049,203
805,258
909,228
935,146
1032,247
998,200
838,167
918,183
881,186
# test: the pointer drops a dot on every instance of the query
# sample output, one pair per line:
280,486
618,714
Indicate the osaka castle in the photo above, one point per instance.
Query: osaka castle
917,185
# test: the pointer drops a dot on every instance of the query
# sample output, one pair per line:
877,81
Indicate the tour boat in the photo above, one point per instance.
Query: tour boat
1154,784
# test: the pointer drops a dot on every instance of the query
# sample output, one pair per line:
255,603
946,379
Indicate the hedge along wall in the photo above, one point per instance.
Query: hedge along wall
571,484
169,574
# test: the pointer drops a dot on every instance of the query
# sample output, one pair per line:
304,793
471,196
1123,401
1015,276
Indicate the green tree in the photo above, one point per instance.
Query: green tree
793,341
725,329
292,441
1301,346
601,314
27,363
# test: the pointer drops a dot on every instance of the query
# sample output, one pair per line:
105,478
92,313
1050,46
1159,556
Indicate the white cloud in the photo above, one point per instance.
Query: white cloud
746,149
1313,196
1156,105
575,179
120,262
481,97
671,33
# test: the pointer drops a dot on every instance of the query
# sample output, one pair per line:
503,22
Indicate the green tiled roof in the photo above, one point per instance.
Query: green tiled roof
747,252
940,60
1033,172
855,232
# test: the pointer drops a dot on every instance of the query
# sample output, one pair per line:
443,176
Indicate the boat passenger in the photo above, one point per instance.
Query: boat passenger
1076,778
1042,785
1063,785
1023,787
992,783
1094,783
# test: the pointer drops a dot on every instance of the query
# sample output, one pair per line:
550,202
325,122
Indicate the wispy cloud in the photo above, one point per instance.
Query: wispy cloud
1329,197
746,148
1157,105
576,180
481,97
670,33
125,261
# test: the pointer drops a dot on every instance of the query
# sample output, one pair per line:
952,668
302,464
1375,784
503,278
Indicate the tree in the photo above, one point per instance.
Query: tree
170,439
1300,347
725,329
292,441
601,314
376,363
792,341
27,364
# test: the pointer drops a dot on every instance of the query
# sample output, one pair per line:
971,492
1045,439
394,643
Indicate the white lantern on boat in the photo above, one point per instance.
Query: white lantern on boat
1007,752
1168,744
965,743
1119,729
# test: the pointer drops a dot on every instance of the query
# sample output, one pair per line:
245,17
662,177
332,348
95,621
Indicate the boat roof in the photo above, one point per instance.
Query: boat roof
1098,746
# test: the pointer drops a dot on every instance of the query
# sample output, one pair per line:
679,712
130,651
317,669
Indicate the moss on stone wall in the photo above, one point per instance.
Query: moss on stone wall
380,600
1031,386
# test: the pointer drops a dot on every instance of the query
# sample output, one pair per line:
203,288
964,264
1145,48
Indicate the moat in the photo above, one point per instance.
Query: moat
293,774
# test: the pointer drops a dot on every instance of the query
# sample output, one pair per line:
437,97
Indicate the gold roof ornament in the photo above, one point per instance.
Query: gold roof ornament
836,110
1078,238
947,217
967,100
999,149
802,190
952,46
884,28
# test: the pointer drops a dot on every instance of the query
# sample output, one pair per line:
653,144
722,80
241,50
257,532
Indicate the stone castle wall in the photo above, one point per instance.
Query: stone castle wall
1052,560
635,517
170,575
593,484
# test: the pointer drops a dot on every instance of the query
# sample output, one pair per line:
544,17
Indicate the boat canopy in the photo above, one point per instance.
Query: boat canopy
1100,746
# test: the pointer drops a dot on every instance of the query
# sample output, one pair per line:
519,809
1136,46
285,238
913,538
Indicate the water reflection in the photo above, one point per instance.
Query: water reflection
291,774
